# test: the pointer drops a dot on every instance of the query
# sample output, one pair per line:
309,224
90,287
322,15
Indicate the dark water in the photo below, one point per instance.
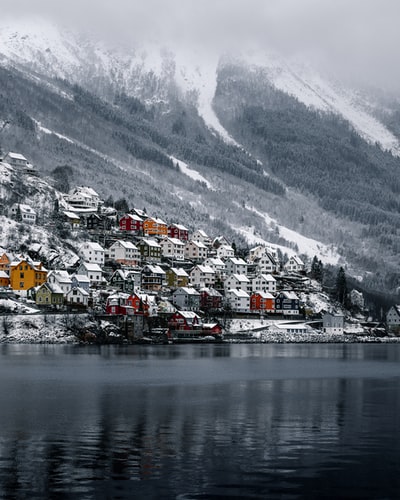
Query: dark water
194,422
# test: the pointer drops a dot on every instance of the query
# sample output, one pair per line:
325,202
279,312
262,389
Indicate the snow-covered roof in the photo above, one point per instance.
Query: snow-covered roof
214,261
3,274
198,244
237,261
154,269
265,277
204,269
264,295
241,277
71,215
81,278
187,290
189,314
179,272
212,292
93,246
91,266
16,156
80,290
238,293
179,226
150,242
126,244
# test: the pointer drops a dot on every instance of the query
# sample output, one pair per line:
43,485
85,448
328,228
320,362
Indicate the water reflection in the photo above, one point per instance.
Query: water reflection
88,424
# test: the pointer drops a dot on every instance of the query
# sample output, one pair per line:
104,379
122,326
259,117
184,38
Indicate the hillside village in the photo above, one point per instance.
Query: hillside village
151,274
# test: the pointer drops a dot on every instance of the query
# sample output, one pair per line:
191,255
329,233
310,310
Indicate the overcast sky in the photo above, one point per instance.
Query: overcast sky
355,37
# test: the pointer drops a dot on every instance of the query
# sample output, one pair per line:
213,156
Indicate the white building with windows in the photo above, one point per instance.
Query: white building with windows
92,252
239,300
263,283
173,248
26,213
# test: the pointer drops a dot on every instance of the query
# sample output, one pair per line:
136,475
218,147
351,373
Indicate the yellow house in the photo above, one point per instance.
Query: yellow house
155,227
26,274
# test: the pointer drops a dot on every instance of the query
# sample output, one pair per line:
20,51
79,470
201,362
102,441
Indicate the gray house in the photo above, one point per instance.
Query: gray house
333,323
186,298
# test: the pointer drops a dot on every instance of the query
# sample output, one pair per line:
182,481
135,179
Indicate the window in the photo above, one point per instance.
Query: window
21,275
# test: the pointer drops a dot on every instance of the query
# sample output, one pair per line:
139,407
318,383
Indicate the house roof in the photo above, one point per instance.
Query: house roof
266,277
150,243
91,266
237,261
3,274
240,277
16,156
238,293
81,278
290,295
214,261
80,290
179,226
71,215
179,272
204,269
154,269
189,314
212,292
93,246
133,217
264,295
125,244
198,244
187,290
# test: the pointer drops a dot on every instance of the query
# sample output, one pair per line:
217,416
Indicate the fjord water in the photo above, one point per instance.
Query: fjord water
200,421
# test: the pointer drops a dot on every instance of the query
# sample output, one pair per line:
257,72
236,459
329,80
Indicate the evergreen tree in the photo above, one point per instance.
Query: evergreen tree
317,269
341,287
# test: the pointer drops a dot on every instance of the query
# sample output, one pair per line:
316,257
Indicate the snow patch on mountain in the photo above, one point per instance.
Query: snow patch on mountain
193,174
51,132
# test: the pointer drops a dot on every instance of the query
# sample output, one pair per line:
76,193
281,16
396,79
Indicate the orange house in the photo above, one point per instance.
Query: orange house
4,263
26,274
4,279
139,305
262,302
155,227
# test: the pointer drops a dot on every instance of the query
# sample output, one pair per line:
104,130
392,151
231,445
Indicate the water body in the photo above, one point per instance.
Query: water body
200,422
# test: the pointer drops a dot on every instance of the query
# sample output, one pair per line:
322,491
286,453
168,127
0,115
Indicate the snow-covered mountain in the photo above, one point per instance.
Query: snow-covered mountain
153,72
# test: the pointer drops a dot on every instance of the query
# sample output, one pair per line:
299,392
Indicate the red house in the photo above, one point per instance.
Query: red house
117,304
178,231
262,302
131,222
210,299
139,305
184,320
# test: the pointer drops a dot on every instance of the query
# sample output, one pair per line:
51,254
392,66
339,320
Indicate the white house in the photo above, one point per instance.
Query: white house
235,265
83,198
263,283
60,278
218,265
294,265
225,252
27,213
15,159
239,300
202,237
173,248
77,296
124,252
92,271
196,250
186,298
266,264
237,282
202,276
92,252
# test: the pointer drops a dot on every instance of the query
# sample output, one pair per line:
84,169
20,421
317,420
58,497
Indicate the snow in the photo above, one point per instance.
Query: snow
51,132
193,174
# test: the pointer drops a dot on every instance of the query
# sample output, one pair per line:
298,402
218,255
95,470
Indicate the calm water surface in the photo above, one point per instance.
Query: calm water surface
200,422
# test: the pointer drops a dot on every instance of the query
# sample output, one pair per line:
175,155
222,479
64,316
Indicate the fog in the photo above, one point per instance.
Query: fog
356,38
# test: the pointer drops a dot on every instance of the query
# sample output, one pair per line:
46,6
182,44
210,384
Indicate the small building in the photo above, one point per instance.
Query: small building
61,279
4,279
118,304
131,222
225,252
172,248
263,283
49,295
80,281
239,300
262,302
287,303
25,212
218,265
95,221
238,282
153,278
185,320
235,265
92,271
152,226
333,323
196,251
17,160
393,317
83,198
266,263
92,252
77,297
201,237
72,219
294,265
126,280
177,277
26,274
124,252
210,299
178,231
150,250
186,298
5,263
202,276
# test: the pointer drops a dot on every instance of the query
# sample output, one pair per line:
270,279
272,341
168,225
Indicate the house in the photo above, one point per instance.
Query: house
287,303
61,279
143,304
177,277
184,320
49,295
235,265
333,323
225,252
150,250
92,252
294,265
263,302
152,226
93,271
124,252
118,304
210,299
4,279
77,297
26,274
72,219
186,298
220,240
239,300
126,280
202,276
172,248
178,231
281,327
237,282
80,281
95,221
131,222
218,265
83,198
357,299
393,317
196,251
201,237
5,263
266,264
263,283
24,213
16,160
153,278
